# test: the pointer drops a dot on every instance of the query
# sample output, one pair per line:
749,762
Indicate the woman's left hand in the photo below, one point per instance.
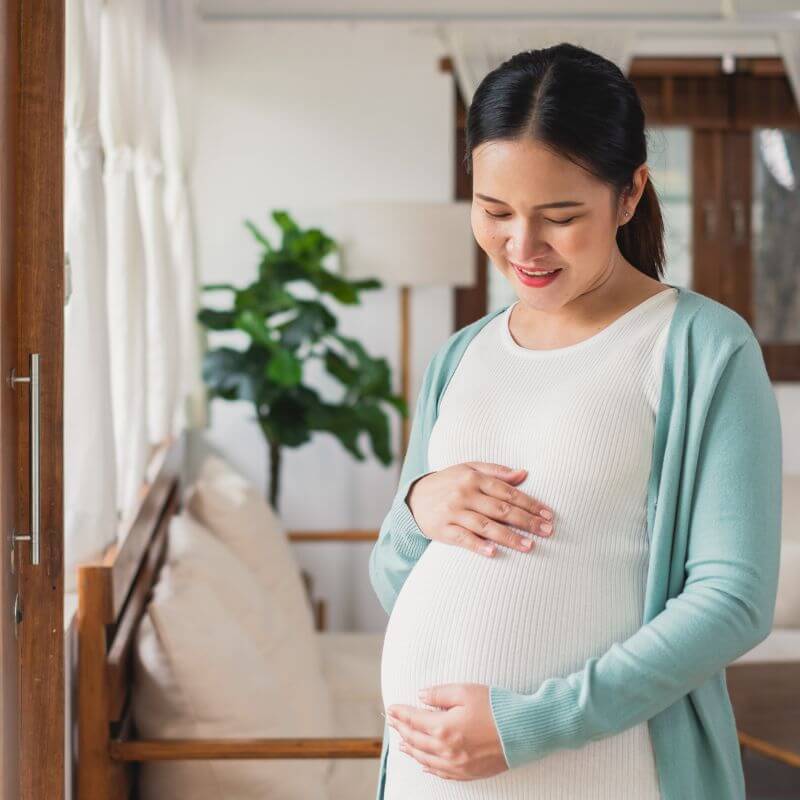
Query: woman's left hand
460,742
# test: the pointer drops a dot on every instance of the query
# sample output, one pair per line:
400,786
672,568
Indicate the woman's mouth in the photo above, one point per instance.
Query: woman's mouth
536,277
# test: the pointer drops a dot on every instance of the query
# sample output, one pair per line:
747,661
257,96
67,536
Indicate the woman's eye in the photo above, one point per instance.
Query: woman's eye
556,221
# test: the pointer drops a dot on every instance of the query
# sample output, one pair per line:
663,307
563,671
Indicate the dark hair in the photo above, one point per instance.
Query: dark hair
581,106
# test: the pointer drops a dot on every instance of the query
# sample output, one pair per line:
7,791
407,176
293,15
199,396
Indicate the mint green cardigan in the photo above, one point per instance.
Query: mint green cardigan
713,518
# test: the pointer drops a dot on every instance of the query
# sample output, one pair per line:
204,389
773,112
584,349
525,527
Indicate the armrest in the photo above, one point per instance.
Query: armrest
253,749
344,535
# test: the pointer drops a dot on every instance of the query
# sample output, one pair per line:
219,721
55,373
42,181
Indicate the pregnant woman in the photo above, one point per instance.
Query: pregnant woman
586,529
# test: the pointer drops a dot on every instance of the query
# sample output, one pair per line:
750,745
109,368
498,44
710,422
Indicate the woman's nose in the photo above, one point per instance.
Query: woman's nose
525,243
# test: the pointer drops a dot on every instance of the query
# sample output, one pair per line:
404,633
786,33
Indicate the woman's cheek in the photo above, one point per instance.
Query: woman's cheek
486,236
576,241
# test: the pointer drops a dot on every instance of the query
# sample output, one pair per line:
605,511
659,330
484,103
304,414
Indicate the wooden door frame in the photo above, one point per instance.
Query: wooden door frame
34,153
9,672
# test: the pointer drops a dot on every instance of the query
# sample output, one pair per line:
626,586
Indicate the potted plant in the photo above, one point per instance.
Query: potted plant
285,332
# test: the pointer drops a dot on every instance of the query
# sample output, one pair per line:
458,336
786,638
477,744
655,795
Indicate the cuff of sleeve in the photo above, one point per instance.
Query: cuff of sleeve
407,537
532,725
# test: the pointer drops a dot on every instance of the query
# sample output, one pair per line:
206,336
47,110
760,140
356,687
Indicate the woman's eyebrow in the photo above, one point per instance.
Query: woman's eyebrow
558,204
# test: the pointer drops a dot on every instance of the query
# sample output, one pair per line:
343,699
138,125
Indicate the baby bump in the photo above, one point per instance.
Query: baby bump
512,620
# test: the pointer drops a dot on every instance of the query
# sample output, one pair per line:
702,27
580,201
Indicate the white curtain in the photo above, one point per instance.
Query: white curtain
177,127
90,508
160,297
475,53
132,343
122,48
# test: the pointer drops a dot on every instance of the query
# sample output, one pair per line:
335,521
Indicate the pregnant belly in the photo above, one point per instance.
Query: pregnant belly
515,620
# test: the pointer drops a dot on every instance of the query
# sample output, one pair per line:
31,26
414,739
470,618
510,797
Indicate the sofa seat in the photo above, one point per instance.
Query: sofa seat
782,644
352,669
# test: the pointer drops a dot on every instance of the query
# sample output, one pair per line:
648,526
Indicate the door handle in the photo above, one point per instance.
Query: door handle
33,380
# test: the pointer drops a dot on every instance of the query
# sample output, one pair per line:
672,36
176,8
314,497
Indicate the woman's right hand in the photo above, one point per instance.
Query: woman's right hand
472,505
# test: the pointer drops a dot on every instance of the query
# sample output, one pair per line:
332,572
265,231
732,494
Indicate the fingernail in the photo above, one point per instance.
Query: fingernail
546,513
487,550
526,543
547,528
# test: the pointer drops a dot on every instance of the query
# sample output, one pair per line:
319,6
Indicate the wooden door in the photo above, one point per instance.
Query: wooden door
31,380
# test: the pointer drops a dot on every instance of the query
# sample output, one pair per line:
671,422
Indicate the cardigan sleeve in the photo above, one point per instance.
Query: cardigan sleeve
727,602
400,541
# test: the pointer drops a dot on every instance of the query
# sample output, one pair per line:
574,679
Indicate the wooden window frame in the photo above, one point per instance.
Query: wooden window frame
722,109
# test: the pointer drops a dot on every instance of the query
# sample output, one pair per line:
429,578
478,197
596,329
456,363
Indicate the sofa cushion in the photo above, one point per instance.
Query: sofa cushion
787,603
352,669
214,658
782,644
235,511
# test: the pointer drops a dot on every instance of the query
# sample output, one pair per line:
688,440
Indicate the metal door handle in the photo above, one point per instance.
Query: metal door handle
33,380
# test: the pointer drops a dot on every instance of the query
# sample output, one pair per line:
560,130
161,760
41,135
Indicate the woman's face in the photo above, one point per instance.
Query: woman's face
522,226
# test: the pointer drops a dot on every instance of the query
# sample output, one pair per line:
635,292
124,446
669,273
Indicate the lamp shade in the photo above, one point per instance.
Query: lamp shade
400,243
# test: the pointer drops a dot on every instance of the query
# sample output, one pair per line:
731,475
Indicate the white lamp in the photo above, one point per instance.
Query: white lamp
403,244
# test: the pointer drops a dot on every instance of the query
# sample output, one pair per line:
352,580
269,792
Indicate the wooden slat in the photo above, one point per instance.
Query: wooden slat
346,535
129,555
205,749
764,748
118,662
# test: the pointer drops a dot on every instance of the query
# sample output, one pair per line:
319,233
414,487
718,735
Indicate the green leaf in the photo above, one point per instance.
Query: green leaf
285,223
284,368
251,226
216,320
310,324
367,283
227,374
377,426
253,324
213,287
339,368
342,421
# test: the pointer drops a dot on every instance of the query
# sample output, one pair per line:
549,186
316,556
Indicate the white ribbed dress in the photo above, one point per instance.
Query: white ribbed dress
581,420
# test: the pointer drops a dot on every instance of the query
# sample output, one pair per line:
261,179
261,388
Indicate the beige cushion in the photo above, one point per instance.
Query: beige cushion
214,658
352,668
782,644
787,603
230,506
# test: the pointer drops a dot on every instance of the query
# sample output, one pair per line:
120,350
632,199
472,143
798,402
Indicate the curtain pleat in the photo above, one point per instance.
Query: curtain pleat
122,44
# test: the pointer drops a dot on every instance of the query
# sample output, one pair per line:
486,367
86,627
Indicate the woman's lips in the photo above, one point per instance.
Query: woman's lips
529,280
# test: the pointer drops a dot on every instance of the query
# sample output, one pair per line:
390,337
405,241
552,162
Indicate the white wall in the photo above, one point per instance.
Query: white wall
295,114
